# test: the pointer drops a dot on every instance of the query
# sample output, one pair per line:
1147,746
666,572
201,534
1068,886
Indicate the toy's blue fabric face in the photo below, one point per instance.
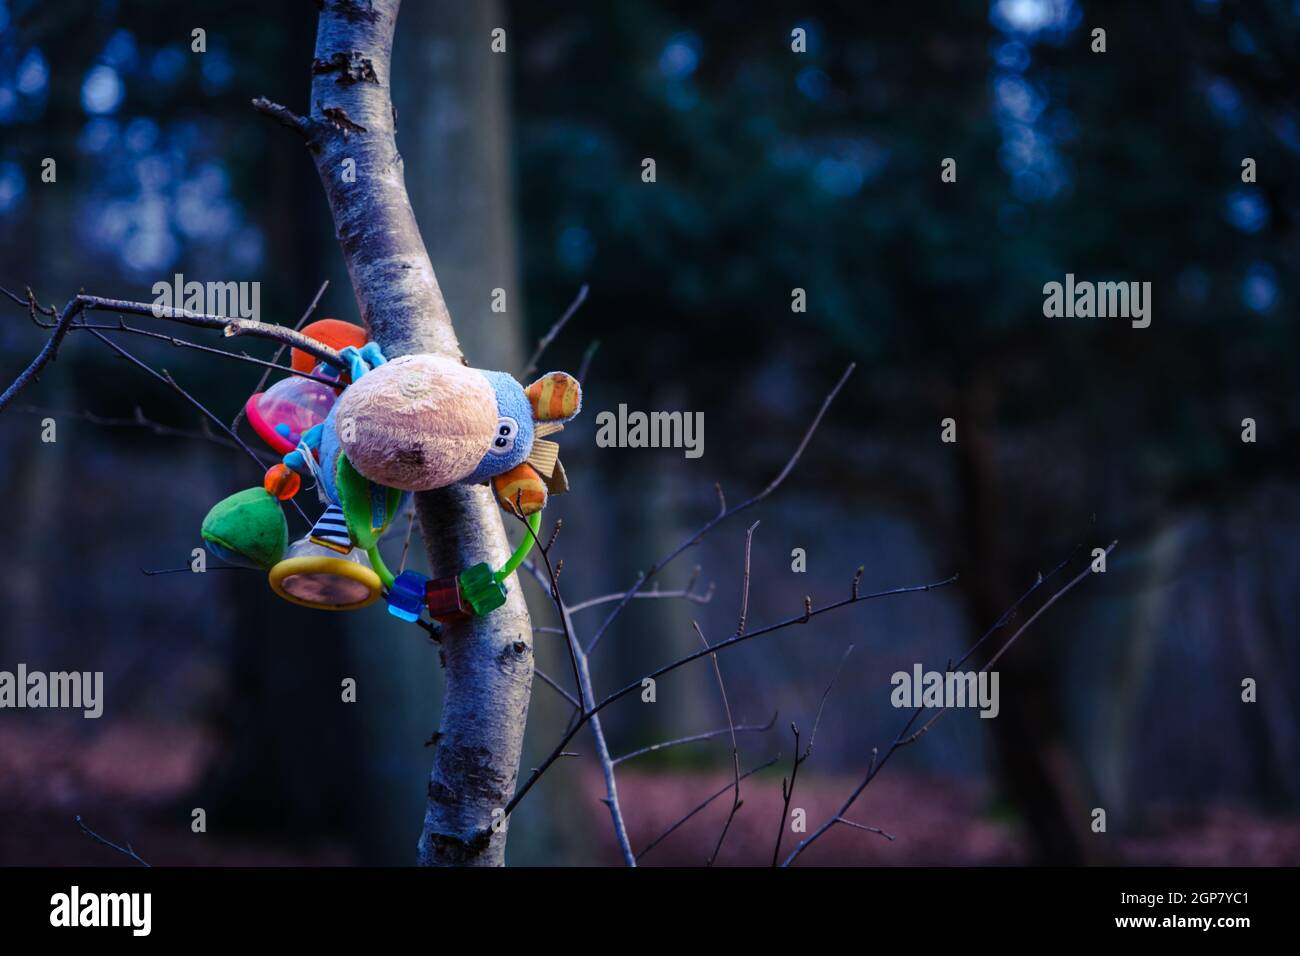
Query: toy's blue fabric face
515,428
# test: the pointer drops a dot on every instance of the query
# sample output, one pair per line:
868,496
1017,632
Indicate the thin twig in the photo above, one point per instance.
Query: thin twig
284,116
686,594
544,342
186,344
744,587
551,682
744,776
582,676
904,738
723,514
127,850
861,826
138,421
551,583
228,326
307,314
47,353
584,366
689,658
787,786
736,802
166,378
406,545
216,567
695,738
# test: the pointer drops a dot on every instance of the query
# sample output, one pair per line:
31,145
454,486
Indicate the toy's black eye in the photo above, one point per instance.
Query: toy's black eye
507,429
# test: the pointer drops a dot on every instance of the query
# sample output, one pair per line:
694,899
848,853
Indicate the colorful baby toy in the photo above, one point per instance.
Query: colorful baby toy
389,428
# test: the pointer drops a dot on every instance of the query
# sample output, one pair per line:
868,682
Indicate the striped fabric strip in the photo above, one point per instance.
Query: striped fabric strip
331,530
526,491
553,396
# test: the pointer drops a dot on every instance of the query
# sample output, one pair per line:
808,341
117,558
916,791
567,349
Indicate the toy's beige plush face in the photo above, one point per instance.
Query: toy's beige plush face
417,422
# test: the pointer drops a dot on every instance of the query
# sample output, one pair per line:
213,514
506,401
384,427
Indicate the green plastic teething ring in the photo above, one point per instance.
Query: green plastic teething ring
521,552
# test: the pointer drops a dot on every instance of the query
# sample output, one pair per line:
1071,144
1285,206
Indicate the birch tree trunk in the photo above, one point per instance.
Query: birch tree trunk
489,660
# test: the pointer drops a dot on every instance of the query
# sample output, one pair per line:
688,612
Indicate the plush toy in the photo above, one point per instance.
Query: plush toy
415,423
422,421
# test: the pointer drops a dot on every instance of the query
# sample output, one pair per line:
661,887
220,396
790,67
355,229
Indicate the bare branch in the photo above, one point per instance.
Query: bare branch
686,594
584,366
736,802
270,366
138,421
307,314
88,302
550,582
744,776
582,676
284,116
187,569
817,721
545,341
166,378
859,826
681,662
787,786
744,587
127,850
406,544
724,513
229,326
903,737
45,355
550,682
695,738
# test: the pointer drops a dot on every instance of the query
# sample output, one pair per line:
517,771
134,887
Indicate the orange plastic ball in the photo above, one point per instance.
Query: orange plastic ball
335,333
282,481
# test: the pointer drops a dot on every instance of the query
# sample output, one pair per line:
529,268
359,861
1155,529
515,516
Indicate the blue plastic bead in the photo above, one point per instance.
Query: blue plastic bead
406,596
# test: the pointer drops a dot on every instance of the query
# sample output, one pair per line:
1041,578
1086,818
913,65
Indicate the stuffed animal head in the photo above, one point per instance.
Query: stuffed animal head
421,422
524,417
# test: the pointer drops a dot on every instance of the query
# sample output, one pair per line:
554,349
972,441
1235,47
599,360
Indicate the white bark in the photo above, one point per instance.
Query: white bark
489,660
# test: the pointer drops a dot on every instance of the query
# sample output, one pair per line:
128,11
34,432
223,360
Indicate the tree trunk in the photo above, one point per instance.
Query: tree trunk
488,660
1034,769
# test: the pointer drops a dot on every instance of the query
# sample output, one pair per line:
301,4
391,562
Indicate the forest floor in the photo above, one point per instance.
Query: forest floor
129,783
134,784
934,822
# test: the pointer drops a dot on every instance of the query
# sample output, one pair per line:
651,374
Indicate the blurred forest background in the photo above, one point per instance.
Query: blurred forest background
775,170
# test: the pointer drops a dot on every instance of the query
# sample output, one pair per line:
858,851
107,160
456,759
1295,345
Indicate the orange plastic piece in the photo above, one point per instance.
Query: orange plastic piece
282,481
335,333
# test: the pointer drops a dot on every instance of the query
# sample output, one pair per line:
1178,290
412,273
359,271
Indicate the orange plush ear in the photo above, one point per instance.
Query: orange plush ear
520,487
555,397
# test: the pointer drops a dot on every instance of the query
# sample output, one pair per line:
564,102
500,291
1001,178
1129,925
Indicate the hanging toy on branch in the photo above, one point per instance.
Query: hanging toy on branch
415,423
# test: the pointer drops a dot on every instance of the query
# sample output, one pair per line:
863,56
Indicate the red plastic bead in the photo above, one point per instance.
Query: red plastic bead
444,599
282,481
